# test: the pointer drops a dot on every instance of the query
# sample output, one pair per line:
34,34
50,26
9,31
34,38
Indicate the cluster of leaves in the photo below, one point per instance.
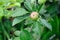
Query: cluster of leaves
16,23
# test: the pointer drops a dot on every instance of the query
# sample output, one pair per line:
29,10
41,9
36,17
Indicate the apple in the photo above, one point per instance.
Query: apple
34,15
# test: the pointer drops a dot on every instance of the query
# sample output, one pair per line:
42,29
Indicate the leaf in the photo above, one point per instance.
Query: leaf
28,20
20,1
18,20
4,0
52,9
17,38
1,12
37,30
45,23
42,9
32,1
19,12
7,25
47,35
34,5
7,13
17,33
56,25
25,35
0,28
1,38
27,4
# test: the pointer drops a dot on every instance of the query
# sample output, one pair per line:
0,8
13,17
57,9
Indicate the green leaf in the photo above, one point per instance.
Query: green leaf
45,23
17,38
57,25
34,5
19,12
52,9
1,12
7,13
0,28
12,1
42,9
32,1
47,35
17,33
20,1
27,4
8,25
18,20
28,20
4,0
37,30
25,35
1,37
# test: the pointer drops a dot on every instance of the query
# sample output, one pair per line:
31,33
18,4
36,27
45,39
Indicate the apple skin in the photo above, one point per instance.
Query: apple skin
34,15
41,1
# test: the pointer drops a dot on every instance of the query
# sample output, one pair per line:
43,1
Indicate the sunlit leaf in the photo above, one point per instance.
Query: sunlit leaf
19,12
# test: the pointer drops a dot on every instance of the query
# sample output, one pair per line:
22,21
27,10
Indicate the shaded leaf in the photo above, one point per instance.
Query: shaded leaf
42,9
25,35
52,9
46,36
8,25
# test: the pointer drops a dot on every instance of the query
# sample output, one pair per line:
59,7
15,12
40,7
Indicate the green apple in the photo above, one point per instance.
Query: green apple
34,15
